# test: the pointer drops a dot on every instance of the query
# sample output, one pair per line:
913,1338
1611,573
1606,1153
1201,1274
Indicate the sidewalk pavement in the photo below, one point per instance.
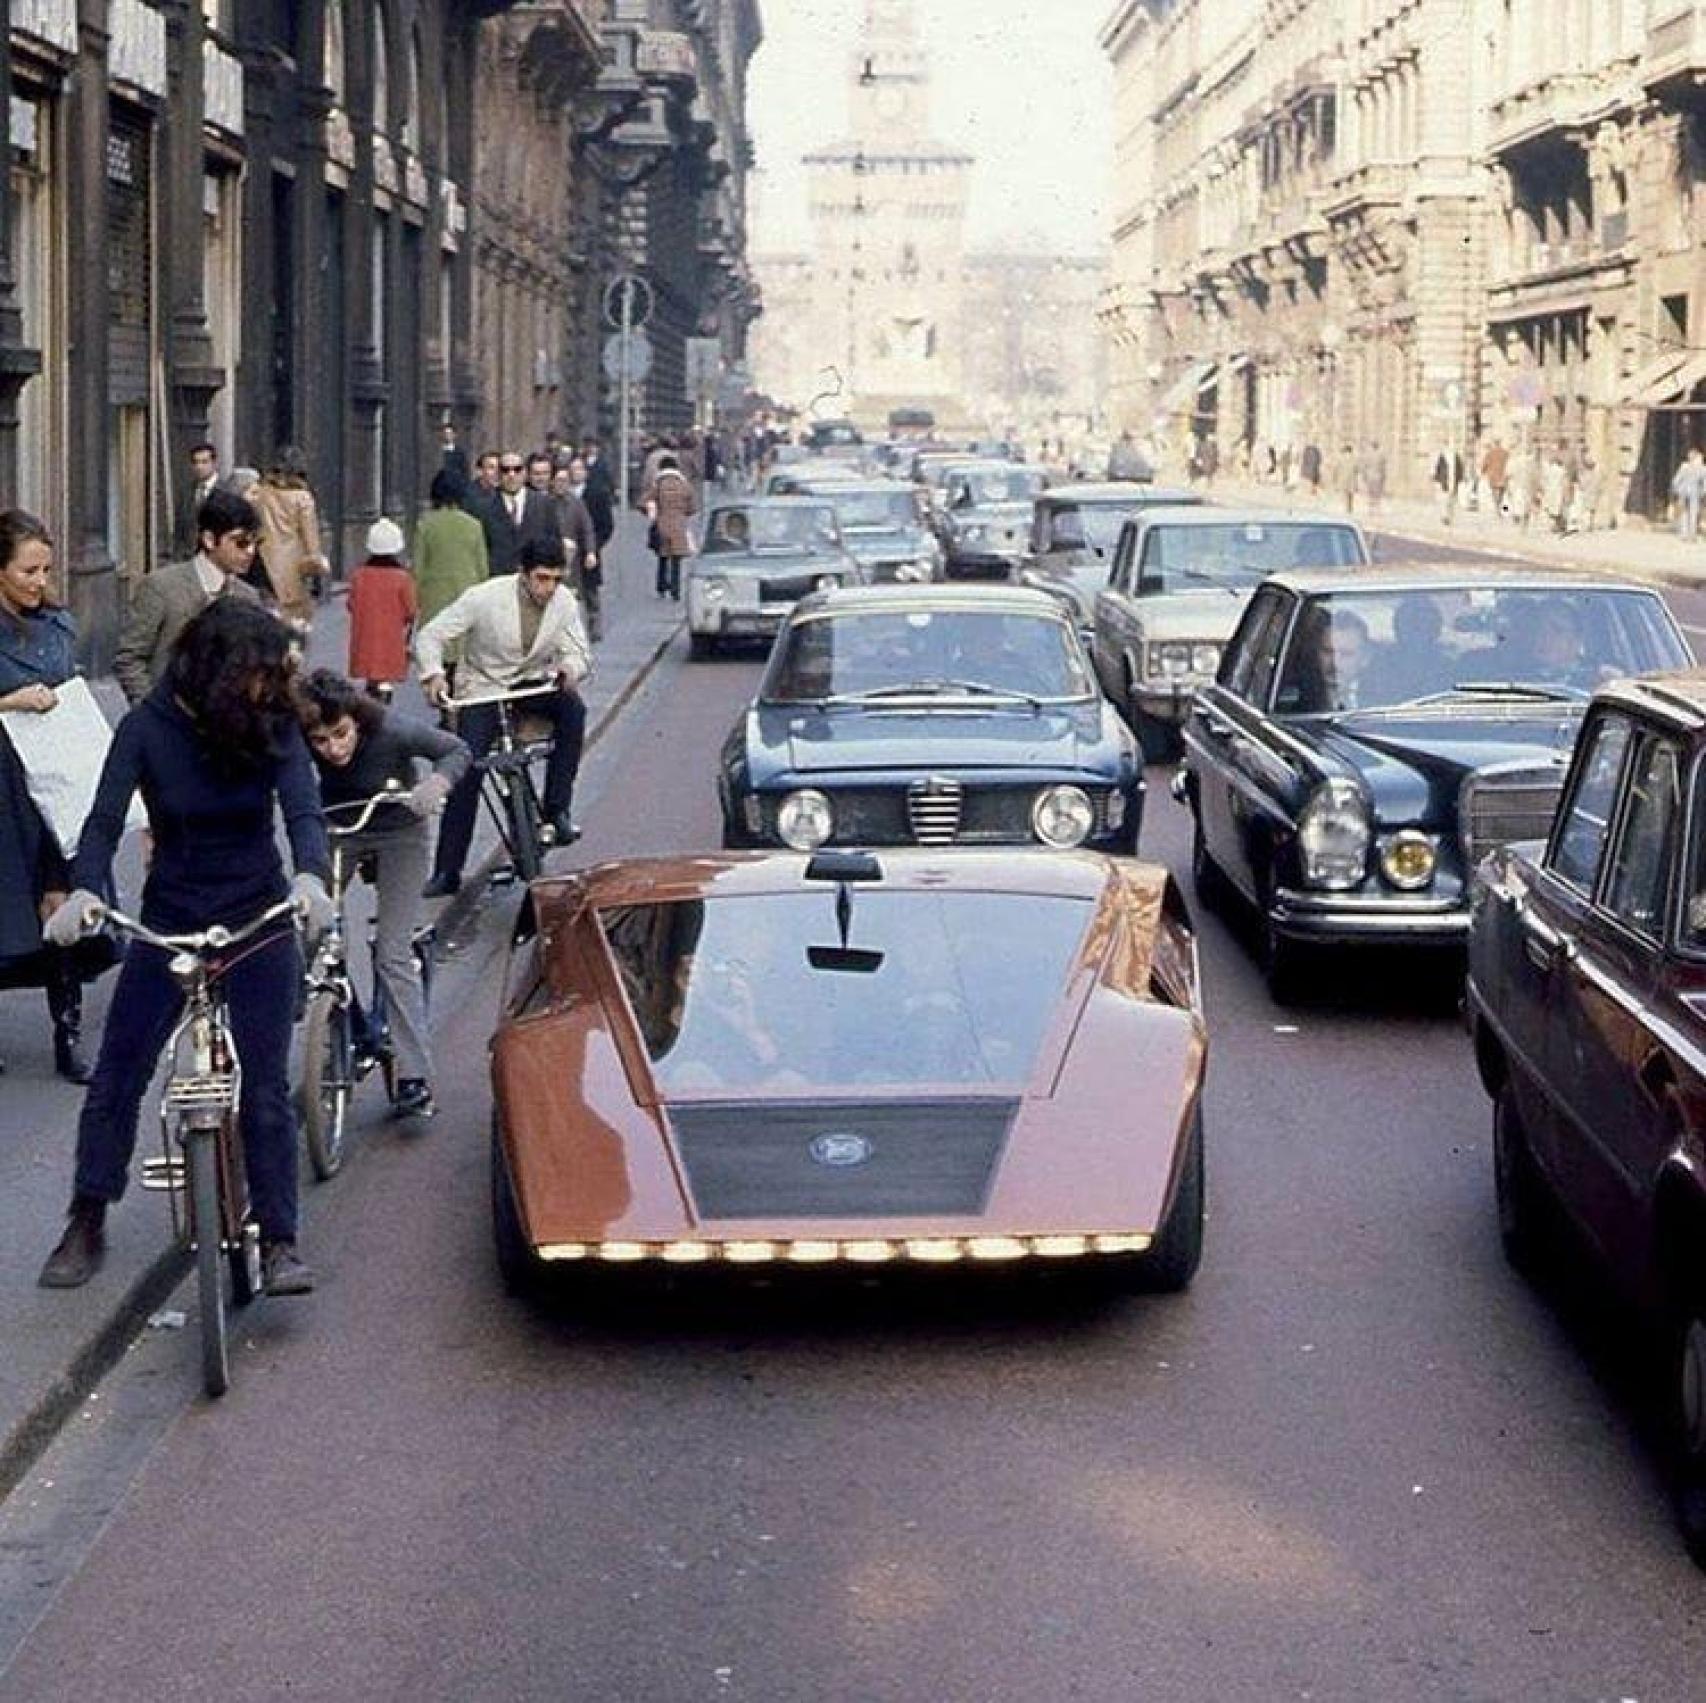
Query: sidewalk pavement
1655,556
58,1343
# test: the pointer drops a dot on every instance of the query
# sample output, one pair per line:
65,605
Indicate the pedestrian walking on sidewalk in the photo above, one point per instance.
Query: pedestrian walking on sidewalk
1688,486
450,548
290,534
1448,476
37,656
214,750
1554,490
382,611
1311,467
671,506
360,748
1345,477
1495,474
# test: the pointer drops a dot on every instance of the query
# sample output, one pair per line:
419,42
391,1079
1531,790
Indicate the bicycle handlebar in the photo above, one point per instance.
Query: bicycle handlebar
202,941
392,794
513,695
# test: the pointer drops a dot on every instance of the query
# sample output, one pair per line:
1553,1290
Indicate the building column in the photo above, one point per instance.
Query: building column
18,364
193,378
92,580
365,359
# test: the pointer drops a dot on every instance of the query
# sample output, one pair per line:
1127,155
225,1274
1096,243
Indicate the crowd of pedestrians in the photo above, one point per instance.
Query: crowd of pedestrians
499,587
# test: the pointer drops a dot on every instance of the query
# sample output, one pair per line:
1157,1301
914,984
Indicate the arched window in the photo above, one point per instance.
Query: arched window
332,56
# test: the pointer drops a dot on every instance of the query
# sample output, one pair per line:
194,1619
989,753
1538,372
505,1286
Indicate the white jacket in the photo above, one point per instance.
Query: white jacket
485,621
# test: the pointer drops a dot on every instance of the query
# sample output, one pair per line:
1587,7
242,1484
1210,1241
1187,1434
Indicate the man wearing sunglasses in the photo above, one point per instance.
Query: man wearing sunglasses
167,600
515,514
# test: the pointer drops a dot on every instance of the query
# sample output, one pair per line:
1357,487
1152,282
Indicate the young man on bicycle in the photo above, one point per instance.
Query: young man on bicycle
361,748
514,631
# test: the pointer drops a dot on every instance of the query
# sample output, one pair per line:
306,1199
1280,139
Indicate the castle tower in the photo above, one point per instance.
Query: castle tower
888,210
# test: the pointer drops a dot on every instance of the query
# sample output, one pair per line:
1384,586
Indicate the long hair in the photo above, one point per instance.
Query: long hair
19,527
327,696
288,468
231,670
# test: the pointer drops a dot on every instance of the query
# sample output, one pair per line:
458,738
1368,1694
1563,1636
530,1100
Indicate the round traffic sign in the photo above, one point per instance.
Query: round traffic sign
638,363
639,300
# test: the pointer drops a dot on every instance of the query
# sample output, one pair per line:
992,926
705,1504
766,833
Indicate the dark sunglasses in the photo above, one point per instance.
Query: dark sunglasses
511,467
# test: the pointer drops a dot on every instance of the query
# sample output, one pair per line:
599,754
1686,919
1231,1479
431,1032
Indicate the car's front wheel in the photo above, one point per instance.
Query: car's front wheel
1518,1190
1689,1375
1176,1252
518,1264
701,646
1209,883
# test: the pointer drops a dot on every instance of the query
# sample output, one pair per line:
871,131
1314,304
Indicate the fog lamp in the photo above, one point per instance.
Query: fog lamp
1408,858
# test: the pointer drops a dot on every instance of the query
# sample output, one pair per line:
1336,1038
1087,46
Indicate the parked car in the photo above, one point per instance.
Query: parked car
1371,737
882,527
1074,531
985,520
1179,581
930,715
851,1060
761,555
1587,1002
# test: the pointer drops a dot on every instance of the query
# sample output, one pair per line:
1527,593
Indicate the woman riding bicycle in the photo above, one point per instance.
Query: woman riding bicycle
214,750
361,748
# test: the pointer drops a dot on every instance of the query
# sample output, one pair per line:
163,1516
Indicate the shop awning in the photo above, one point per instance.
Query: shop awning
1670,377
1180,397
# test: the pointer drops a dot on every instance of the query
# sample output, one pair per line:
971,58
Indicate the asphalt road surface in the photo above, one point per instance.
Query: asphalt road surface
1360,1459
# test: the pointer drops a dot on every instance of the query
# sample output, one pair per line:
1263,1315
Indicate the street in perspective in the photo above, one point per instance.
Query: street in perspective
853,849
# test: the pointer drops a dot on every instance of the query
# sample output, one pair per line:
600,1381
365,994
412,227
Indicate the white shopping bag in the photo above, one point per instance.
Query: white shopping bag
62,751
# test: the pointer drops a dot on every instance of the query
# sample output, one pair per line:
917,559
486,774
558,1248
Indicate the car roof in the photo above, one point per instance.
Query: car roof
1108,491
1205,515
643,880
860,488
1442,576
978,597
785,505
1678,694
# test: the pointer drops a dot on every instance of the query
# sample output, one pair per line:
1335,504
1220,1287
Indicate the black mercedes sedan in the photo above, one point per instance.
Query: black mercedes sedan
1370,737
930,715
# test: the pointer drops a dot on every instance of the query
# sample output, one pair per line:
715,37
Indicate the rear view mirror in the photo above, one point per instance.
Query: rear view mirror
844,960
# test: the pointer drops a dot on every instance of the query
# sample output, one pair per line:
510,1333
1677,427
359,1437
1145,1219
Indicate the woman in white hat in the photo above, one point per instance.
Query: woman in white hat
382,612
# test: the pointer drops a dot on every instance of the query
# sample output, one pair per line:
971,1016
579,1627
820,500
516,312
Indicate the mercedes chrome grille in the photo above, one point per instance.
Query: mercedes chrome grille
933,810
1500,805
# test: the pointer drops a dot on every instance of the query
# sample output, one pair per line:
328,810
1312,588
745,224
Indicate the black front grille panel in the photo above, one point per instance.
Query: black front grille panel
924,1158
788,590
941,812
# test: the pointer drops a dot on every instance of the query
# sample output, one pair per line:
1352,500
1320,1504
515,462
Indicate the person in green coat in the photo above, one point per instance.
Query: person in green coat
450,548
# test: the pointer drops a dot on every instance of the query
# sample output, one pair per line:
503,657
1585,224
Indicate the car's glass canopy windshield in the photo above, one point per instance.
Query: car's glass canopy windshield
853,655
746,994
794,526
876,511
1241,553
1379,649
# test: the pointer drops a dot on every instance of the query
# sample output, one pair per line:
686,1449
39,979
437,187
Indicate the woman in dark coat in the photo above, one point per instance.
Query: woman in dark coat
671,505
37,654
215,751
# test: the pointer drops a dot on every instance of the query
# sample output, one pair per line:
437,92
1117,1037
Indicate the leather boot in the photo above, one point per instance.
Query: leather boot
65,1003
79,1252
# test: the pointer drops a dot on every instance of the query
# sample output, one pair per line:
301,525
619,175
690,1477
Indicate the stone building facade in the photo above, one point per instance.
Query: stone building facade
888,307
1416,224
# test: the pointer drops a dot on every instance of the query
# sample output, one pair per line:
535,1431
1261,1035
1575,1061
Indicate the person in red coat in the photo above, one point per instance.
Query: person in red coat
381,612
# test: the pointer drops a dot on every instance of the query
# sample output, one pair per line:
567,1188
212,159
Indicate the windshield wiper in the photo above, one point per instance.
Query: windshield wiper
1546,692
935,689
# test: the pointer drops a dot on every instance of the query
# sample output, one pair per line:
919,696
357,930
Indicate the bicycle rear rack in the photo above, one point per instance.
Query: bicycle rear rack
191,1094
164,1173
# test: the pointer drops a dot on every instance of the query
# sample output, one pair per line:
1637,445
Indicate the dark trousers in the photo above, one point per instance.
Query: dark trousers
669,576
478,726
261,988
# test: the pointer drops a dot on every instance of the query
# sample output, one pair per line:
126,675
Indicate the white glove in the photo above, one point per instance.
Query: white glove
426,798
74,920
313,904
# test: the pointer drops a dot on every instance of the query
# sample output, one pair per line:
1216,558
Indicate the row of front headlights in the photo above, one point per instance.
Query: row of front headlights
1062,817
920,1250
1335,837
1181,659
714,588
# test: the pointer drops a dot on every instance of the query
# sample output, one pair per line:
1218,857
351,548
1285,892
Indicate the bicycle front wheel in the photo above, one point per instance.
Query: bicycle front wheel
202,1151
328,1080
524,826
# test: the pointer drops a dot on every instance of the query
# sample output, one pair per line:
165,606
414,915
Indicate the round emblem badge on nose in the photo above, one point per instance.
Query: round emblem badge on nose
840,1147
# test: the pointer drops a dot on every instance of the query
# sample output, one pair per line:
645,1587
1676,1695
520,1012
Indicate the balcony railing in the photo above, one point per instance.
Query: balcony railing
1676,47
1551,102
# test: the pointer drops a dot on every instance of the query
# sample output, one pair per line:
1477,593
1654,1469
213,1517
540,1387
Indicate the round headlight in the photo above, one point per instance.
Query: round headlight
1205,659
828,582
1407,860
1063,816
805,820
911,573
1333,836
714,590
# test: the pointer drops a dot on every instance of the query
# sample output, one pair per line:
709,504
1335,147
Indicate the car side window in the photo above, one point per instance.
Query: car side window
1579,834
1249,664
1119,576
1639,880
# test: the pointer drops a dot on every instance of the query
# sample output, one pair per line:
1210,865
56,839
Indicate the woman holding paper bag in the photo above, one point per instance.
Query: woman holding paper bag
37,654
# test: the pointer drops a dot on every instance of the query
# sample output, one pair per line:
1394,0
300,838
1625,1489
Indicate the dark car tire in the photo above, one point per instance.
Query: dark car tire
1173,1257
1159,739
1206,878
701,647
1688,1375
1286,965
1519,1193
518,1265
